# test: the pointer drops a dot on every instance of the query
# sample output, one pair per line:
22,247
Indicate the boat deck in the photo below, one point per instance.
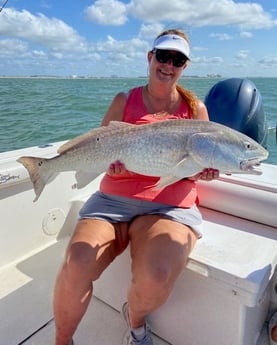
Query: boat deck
102,325
20,302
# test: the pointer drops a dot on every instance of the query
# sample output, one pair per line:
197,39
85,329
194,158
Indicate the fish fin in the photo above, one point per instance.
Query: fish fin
119,124
83,178
165,181
75,142
187,167
39,175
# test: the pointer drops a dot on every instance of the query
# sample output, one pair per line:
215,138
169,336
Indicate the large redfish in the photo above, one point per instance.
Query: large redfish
171,150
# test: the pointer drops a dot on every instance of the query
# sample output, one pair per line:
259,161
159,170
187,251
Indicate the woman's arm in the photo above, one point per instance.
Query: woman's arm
115,113
201,112
115,110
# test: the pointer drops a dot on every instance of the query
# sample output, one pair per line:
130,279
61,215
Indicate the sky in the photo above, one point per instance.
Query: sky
106,38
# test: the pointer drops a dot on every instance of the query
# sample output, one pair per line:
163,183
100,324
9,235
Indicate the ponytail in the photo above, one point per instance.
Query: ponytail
189,97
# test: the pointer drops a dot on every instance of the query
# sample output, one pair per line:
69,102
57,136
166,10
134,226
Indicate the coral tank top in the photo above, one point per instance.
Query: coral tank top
181,194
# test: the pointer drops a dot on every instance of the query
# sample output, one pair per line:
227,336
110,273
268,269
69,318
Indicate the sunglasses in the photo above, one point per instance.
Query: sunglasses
178,59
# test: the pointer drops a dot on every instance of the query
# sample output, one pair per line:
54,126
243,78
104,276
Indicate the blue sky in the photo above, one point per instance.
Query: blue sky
111,37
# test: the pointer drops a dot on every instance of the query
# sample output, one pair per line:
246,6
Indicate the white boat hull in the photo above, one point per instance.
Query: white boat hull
224,296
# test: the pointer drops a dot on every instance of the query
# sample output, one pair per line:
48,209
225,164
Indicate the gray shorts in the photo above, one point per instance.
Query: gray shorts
116,209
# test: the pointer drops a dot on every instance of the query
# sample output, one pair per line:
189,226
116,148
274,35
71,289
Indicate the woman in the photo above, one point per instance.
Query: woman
128,210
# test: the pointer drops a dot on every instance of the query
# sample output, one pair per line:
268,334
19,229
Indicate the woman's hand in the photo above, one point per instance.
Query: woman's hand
207,174
116,168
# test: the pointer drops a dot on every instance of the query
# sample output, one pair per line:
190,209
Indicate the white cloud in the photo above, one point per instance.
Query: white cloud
51,33
150,30
12,47
270,61
221,36
58,56
39,53
55,47
199,49
45,4
246,34
202,12
242,55
127,47
208,60
107,12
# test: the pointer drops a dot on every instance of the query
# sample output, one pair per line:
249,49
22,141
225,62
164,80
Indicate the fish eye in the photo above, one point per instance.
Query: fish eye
247,145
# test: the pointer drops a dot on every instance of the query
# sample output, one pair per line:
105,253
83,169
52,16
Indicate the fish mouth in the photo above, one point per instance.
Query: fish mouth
250,166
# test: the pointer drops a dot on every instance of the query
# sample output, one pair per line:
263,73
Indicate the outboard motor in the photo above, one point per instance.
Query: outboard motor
237,103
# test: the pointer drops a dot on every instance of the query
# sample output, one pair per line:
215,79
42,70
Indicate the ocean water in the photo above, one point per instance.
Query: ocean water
38,111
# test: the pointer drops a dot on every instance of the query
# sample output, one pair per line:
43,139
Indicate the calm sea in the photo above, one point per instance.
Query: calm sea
37,111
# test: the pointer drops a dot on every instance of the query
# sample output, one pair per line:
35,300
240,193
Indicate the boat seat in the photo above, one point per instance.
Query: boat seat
226,287
227,282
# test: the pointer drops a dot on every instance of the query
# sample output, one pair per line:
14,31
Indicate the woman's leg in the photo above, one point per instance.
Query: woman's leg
93,246
159,251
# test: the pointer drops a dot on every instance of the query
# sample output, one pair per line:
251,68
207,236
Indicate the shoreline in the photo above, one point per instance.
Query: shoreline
215,77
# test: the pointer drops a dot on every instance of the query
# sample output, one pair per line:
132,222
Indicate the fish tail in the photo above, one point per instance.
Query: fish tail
39,175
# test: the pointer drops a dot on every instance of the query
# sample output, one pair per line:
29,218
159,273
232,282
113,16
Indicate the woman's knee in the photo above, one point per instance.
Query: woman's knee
153,285
155,269
92,248
155,276
159,249
80,263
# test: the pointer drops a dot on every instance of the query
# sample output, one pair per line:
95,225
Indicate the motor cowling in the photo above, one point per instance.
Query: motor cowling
237,103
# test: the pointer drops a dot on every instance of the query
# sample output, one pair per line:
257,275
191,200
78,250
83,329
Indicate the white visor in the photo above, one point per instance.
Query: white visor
172,42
